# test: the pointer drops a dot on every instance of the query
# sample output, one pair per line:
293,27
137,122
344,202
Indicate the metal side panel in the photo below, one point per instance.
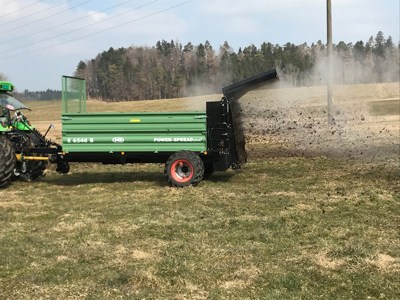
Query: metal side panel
134,132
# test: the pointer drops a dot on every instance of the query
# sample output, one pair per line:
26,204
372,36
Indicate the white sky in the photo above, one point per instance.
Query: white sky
43,40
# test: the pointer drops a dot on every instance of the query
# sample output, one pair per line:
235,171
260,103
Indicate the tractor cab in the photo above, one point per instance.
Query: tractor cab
9,105
7,101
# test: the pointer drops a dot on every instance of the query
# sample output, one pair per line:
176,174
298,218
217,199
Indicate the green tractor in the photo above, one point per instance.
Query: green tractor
21,157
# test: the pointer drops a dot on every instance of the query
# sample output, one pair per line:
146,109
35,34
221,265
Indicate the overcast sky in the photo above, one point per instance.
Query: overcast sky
42,40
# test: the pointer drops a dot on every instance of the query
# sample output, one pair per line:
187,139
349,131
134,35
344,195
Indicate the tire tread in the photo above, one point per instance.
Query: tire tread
7,161
196,161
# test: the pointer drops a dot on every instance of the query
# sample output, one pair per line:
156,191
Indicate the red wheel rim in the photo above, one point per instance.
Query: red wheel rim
182,170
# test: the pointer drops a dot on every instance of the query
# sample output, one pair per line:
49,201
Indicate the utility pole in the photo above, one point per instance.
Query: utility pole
330,62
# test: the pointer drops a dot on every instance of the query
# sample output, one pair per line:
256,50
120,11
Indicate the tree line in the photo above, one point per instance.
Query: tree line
39,95
170,69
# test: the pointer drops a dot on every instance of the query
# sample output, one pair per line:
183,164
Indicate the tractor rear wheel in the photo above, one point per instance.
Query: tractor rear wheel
184,168
7,161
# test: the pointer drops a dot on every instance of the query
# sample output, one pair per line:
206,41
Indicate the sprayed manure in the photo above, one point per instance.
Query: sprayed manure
281,122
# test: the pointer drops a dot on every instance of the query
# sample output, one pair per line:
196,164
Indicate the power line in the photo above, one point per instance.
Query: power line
63,24
35,13
100,31
50,16
86,26
18,10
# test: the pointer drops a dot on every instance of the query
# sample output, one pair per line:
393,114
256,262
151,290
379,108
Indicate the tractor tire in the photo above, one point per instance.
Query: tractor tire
184,168
7,161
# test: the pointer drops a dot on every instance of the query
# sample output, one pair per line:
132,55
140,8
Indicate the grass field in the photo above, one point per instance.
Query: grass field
280,228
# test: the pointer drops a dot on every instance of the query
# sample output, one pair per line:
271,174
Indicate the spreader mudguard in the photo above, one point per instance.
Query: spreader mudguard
226,139
221,138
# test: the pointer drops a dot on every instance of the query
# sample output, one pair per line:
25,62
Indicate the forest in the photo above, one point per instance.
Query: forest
171,70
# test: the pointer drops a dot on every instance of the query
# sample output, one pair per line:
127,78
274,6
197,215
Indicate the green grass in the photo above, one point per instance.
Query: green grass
285,228
289,228
384,107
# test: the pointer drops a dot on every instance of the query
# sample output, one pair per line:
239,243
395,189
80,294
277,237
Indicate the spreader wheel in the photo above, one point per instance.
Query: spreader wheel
184,168
7,161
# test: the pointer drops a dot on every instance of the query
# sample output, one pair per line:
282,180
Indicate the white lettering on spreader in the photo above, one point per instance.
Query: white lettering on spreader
177,140
118,140
80,140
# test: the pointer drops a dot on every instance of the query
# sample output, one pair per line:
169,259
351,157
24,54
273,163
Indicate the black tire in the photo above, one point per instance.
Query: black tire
7,161
184,168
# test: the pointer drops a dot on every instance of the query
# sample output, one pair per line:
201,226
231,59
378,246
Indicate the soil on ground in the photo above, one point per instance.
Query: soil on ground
293,122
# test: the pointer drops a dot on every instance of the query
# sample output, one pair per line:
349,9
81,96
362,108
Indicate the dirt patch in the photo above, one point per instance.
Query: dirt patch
385,263
141,255
322,260
243,277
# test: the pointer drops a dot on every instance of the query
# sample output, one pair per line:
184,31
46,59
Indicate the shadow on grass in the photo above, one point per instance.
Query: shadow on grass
106,177
157,178
219,177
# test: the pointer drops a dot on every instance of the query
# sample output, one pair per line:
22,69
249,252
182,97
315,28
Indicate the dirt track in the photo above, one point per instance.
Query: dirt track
293,121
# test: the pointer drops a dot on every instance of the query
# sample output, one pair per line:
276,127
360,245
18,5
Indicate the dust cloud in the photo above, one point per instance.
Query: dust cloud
352,71
281,120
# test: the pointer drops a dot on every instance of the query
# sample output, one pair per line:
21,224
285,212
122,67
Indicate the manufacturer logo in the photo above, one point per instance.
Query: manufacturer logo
118,140
177,140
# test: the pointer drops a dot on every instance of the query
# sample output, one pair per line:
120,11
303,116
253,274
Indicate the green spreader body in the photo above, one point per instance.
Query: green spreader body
151,137
110,137
126,137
